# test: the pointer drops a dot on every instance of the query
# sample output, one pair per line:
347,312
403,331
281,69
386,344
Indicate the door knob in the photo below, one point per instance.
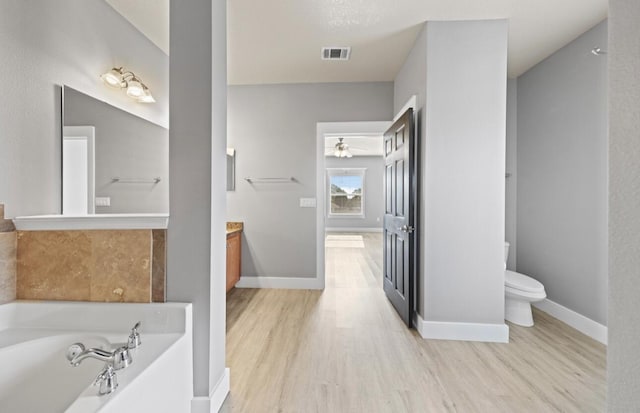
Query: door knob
407,228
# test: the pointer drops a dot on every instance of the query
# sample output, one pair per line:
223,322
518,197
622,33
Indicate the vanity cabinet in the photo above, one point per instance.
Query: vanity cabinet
233,258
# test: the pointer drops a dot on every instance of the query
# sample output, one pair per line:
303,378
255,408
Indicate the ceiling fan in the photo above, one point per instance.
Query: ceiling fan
342,150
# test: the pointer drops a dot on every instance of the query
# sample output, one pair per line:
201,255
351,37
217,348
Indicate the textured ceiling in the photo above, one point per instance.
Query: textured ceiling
279,41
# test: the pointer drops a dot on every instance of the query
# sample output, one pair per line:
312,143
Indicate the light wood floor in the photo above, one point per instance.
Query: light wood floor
345,350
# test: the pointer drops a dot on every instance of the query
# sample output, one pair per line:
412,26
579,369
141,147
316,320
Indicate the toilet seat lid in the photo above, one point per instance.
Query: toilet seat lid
522,282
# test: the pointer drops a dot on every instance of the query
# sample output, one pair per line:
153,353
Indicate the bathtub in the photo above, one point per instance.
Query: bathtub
36,376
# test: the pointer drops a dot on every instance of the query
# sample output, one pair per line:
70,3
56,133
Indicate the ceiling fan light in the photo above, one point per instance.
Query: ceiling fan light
342,149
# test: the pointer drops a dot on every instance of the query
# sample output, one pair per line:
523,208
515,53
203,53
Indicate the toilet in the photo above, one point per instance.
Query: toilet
519,292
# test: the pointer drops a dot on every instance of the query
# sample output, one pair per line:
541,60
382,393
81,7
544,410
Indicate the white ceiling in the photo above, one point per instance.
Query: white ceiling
279,41
358,145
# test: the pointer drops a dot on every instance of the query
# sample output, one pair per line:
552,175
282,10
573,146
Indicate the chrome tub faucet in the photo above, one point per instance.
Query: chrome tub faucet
118,358
114,360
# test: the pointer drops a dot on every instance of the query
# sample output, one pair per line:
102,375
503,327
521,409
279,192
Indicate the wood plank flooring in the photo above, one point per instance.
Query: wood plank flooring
344,349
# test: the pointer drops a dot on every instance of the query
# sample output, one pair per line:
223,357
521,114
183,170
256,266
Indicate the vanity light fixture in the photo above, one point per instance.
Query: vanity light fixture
342,149
121,79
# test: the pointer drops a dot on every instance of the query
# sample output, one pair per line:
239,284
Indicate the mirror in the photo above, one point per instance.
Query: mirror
112,161
231,169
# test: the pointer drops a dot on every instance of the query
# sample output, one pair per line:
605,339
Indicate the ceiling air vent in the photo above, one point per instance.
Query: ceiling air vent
336,53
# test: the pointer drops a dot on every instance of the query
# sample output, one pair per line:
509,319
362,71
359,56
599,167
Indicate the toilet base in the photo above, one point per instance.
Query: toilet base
518,312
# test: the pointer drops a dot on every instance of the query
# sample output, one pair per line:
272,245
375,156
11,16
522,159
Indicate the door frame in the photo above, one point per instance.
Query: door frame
322,130
82,133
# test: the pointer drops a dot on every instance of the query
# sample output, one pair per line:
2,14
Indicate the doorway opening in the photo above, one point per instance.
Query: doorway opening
78,170
349,189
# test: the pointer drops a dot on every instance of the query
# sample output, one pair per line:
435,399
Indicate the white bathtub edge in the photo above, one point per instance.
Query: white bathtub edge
96,316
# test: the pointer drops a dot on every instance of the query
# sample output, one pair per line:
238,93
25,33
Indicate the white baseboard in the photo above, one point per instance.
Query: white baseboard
439,330
352,229
290,283
581,323
213,403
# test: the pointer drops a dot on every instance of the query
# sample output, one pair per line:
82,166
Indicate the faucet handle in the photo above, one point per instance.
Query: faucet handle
134,338
121,358
107,380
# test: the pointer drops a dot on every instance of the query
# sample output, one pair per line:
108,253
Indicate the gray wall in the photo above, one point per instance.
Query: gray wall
46,44
412,80
196,237
218,256
273,129
373,191
461,69
623,363
511,182
126,146
562,175
464,171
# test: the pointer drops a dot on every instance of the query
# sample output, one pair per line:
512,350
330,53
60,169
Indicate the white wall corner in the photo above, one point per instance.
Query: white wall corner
581,323
439,330
218,394
288,283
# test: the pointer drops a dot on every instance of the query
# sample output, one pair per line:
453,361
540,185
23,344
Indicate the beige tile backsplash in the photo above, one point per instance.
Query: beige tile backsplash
89,265
82,265
8,246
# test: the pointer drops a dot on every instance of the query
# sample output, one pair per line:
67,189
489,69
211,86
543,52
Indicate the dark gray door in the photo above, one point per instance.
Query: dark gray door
400,188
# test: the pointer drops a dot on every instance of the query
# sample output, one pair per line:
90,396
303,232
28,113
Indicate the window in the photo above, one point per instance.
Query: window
346,192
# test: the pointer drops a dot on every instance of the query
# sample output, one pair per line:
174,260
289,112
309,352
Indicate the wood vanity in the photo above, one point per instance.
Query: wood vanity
234,242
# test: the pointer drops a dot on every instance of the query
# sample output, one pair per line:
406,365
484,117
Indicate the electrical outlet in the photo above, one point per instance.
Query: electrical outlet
307,202
103,201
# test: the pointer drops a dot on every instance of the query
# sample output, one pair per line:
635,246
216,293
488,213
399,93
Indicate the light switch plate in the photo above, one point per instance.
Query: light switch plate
307,202
103,201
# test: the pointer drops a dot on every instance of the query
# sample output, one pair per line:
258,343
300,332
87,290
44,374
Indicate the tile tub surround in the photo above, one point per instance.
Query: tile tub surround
87,265
6,225
158,266
234,227
8,246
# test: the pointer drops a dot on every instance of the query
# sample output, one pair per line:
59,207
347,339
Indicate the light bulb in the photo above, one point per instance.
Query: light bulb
112,78
146,97
134,89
